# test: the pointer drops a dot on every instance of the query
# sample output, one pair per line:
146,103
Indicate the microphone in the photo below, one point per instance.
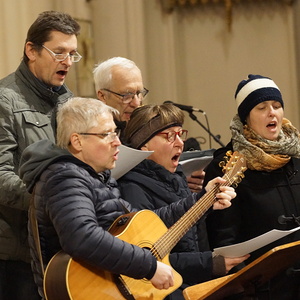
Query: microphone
185,107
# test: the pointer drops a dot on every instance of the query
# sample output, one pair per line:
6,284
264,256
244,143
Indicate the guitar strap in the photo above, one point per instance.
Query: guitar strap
124,207
35,231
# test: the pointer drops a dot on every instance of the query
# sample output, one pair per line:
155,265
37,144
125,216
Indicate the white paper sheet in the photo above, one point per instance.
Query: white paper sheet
128,158
195,164
253,244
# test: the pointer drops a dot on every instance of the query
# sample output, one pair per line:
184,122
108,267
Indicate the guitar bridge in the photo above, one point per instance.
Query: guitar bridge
120,283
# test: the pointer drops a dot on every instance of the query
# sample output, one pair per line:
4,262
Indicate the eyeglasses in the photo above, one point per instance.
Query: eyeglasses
128,97
109,136
75,57
171,135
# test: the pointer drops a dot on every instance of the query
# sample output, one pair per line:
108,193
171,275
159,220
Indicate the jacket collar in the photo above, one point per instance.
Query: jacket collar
39,88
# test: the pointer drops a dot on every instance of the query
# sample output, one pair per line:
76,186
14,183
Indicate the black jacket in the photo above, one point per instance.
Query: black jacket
71,199
262,198
151,186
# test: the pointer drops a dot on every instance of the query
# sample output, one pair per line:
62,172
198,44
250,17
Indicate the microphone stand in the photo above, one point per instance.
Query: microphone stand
193,117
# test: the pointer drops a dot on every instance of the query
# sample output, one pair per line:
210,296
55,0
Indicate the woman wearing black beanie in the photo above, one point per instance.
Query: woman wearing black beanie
270,191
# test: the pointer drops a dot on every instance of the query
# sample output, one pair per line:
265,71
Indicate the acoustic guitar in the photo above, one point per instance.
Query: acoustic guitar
68,279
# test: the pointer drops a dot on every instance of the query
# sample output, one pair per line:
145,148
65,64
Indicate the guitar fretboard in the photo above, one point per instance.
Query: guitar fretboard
166,242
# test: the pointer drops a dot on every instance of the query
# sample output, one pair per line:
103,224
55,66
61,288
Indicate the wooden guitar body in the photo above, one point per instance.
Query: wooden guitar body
67,279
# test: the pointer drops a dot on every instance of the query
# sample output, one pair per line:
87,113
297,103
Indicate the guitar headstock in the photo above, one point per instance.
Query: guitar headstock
233,166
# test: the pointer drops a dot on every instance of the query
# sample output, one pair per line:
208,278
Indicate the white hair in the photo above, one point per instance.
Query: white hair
103,71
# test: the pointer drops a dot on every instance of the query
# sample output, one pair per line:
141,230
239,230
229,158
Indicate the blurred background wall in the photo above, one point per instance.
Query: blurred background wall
193,54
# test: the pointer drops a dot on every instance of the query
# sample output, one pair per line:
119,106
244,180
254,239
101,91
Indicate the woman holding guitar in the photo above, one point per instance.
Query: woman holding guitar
159,181
268,196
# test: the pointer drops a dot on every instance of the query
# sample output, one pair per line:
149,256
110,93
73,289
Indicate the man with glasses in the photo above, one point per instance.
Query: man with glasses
119,84
28,98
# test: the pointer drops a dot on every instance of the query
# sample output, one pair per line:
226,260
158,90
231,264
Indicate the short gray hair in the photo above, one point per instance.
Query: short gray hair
102,71
78,115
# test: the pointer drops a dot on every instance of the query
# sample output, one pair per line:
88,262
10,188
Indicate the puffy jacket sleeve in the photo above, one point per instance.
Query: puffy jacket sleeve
71,209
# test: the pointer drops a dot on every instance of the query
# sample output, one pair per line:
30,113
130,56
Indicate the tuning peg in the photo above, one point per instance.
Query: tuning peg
229,153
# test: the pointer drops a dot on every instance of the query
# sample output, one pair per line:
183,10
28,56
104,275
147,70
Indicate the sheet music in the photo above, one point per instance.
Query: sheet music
195,160
253,244
128,158
195,164
196,153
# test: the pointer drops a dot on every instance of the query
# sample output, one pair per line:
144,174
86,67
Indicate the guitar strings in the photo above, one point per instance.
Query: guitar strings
163,246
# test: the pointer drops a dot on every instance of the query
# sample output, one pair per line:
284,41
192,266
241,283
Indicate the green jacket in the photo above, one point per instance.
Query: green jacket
26,107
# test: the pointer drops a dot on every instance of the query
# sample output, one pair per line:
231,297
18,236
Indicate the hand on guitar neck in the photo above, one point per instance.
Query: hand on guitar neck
225,194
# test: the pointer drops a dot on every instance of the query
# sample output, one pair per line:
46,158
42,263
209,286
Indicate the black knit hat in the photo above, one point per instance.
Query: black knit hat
254,90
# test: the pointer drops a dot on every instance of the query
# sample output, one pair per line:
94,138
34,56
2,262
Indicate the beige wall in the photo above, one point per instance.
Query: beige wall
189,56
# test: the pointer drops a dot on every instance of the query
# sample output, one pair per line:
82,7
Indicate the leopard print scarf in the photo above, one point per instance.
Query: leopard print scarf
262,154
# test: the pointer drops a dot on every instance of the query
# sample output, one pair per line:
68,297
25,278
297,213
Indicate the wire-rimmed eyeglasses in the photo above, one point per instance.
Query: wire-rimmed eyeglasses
109,136
128,97
75,56
171,135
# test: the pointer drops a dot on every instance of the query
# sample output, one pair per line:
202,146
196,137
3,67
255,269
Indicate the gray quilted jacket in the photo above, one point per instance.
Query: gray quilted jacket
26,105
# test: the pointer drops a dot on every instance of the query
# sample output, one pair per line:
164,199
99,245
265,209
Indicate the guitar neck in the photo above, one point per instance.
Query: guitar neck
166,243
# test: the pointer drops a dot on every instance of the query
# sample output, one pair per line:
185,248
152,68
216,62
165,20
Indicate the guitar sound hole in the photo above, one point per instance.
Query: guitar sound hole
153,250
